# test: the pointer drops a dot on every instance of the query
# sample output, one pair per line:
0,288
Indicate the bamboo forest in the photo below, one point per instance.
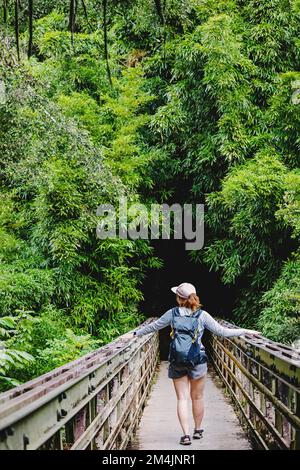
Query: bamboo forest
161,102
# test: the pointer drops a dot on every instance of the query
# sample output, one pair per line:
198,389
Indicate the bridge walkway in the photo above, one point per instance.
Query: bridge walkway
159,428
97,402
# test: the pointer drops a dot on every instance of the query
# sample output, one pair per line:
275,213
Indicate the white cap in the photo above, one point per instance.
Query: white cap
184,290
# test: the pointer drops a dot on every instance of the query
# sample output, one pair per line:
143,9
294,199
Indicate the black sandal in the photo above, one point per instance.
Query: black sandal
198,434
185,440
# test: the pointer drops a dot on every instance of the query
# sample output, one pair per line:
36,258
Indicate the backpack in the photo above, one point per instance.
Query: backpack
185,349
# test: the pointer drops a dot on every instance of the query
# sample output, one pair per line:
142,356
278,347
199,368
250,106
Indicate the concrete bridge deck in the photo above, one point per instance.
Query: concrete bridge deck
159,428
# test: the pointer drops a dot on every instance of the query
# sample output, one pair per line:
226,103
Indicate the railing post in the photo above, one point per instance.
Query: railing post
296,431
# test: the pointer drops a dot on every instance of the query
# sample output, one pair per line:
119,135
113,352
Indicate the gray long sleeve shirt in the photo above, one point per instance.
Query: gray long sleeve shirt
205,321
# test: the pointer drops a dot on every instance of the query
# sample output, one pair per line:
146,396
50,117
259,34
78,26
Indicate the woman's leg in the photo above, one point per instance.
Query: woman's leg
182,388
197,396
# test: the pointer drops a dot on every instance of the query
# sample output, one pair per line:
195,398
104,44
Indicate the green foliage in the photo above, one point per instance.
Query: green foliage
24,288
253,239
11,359
126,155
59,351
280,316
86,111
229,127
57,168
290,206
202,106
108,329
283,117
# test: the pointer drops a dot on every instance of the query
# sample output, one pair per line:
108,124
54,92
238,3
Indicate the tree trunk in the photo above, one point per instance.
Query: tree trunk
159,10
4,11
30,22
72,17
105,41
17,27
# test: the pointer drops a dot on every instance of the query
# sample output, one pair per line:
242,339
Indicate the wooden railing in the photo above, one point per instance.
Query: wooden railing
94,402
263,379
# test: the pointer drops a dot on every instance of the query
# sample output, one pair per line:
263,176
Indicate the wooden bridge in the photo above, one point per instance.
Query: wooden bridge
119,397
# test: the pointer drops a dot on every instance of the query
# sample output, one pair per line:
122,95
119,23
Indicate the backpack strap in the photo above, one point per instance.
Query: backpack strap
197,332
198,313
173,312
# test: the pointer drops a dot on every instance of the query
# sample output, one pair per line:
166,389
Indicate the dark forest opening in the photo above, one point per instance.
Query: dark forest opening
216,298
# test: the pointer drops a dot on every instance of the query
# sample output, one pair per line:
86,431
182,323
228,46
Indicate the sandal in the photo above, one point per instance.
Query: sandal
185,440
198,434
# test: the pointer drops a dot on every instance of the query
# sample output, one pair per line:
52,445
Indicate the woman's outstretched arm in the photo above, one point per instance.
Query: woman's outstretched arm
162,322
212,325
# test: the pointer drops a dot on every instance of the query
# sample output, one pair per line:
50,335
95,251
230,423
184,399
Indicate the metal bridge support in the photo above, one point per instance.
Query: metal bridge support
94,402
263,379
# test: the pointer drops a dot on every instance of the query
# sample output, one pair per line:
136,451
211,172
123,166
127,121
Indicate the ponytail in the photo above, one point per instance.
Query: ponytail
192,302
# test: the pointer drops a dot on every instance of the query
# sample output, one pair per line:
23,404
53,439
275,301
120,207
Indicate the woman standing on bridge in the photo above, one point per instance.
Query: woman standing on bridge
189,380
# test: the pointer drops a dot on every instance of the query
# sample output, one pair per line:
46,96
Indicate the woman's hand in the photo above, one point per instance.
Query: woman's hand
252,332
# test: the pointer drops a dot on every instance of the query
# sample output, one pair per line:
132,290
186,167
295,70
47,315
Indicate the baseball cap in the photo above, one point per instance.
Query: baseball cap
184,290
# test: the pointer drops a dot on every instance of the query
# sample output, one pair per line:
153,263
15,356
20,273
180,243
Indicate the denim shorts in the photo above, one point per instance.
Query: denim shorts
196,372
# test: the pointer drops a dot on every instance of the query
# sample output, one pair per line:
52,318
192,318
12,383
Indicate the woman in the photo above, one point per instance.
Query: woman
190,380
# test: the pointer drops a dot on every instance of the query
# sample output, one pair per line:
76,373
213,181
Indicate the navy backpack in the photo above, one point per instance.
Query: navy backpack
185,349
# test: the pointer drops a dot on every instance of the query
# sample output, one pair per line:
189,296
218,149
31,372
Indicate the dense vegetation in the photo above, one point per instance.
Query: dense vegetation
161,101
